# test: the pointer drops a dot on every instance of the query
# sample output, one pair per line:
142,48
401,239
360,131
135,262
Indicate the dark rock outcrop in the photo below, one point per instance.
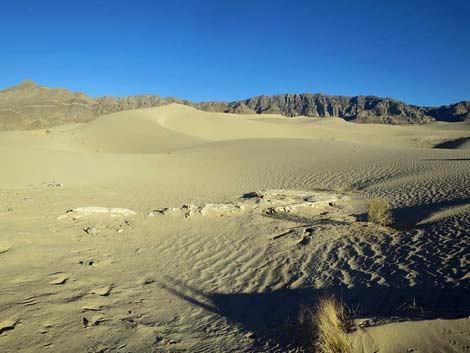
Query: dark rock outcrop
454,112
31,106
368,109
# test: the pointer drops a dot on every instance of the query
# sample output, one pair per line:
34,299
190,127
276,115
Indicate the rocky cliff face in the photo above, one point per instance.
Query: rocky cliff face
454,112
361,108
31,106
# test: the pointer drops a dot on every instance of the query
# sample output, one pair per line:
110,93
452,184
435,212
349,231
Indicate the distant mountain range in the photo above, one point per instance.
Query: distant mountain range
29,106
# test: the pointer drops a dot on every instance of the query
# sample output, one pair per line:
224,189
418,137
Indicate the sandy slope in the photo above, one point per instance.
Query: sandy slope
231,278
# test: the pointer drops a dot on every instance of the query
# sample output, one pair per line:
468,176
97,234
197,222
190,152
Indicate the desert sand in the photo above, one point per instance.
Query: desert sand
171,229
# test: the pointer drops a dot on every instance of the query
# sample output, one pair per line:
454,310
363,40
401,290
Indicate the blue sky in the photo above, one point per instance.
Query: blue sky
416,51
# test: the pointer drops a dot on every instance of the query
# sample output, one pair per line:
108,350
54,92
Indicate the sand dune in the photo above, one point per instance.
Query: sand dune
234,223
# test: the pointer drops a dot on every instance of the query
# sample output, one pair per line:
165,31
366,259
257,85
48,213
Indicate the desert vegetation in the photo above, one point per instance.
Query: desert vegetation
379,211
323,327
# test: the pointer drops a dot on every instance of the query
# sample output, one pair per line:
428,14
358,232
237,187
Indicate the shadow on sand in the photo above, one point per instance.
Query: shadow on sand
272,315
446,159
410,217
453,144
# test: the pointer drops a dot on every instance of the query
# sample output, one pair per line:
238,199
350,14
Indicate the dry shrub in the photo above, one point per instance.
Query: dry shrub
329,321
379,211
323,327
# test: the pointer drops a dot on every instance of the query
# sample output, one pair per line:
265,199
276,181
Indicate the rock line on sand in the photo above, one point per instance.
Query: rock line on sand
88,211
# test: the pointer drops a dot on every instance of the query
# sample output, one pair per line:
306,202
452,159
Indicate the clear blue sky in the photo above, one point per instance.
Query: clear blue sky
416,51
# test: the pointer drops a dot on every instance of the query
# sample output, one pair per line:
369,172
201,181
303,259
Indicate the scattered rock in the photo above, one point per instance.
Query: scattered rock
81,212
90,230
85,322
95,320
304,241
309,231
103,291
4,249
92,307
156,212
147,280
251,195
249,334
214,209
61,279
268,202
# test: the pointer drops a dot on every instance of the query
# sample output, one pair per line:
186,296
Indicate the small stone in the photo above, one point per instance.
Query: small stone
249,334
91,230
304,241
92,308
104,291
59,280
96,320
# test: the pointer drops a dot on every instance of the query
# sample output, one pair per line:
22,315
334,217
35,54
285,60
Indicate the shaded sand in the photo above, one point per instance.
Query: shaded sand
170,229
459,143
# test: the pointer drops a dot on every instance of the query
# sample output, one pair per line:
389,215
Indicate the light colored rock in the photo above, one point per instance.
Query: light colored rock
60,279
102,291
116,212
219,209
80,212
91,230
298,202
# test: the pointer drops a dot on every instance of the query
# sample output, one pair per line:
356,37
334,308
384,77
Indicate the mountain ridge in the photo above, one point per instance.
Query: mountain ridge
29,106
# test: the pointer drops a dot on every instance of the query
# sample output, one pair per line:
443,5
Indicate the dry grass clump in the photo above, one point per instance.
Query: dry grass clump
323,328
329,322
379,211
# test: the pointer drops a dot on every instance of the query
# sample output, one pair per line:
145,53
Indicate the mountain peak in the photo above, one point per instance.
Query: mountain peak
27,84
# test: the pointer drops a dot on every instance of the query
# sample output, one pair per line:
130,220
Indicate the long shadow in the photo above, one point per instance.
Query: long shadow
453,144
272,315
409,217
446,159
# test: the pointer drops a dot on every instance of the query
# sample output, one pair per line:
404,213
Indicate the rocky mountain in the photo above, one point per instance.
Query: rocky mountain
454,112
361,108
29,106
